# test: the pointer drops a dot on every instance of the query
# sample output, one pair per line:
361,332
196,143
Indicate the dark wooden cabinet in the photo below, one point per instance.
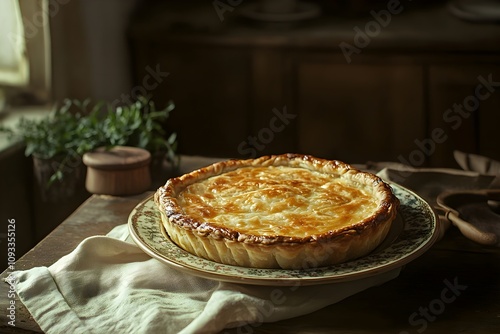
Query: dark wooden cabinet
359,112
464,100
210,88
389,102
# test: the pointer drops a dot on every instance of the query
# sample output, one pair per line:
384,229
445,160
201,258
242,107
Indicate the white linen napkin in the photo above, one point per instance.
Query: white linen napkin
109,285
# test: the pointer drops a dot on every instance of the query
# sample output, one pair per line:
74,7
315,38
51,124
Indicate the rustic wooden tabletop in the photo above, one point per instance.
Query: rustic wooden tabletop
452,288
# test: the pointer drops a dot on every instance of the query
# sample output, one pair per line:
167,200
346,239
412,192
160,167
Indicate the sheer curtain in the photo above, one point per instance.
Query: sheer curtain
25,52
13,60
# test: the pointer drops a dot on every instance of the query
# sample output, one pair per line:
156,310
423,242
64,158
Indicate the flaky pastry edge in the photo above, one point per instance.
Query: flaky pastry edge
225,245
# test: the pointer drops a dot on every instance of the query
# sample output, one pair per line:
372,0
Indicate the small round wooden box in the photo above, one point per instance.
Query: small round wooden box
118,171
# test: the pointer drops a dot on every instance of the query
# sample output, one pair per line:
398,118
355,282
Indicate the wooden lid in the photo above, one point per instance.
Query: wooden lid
117,158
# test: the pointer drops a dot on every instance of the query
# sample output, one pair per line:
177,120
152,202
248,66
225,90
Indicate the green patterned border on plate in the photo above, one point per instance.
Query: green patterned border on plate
417,232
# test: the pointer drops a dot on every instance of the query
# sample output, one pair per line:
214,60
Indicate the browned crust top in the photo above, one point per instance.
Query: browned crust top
166,198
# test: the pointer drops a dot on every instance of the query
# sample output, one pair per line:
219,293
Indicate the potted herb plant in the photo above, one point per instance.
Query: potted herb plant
58,142
140,124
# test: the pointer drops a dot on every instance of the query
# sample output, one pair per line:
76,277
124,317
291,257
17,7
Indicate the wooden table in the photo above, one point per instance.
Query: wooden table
453,288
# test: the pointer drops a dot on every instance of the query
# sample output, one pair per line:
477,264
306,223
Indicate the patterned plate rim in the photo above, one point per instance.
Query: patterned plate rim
418,233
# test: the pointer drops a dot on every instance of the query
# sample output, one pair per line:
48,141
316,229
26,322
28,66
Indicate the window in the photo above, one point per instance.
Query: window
24,52
13,61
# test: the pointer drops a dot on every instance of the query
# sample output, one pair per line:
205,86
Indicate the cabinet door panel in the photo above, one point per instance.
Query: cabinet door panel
361,112
465,102
210,88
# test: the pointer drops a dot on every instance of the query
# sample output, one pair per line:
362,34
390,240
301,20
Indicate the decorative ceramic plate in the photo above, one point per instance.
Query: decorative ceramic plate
411,234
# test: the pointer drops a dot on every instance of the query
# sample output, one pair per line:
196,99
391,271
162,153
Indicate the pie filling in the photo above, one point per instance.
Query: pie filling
282,200
286,211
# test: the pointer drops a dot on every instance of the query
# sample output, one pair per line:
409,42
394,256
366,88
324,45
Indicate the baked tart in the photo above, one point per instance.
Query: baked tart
284,211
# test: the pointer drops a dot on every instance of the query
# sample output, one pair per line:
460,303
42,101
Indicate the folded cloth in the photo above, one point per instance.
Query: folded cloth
480,164
109,285
432,183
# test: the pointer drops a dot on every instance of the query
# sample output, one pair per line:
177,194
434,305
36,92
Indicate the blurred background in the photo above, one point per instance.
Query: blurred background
358,81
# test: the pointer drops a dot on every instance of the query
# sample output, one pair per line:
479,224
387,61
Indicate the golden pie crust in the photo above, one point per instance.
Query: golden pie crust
286,211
